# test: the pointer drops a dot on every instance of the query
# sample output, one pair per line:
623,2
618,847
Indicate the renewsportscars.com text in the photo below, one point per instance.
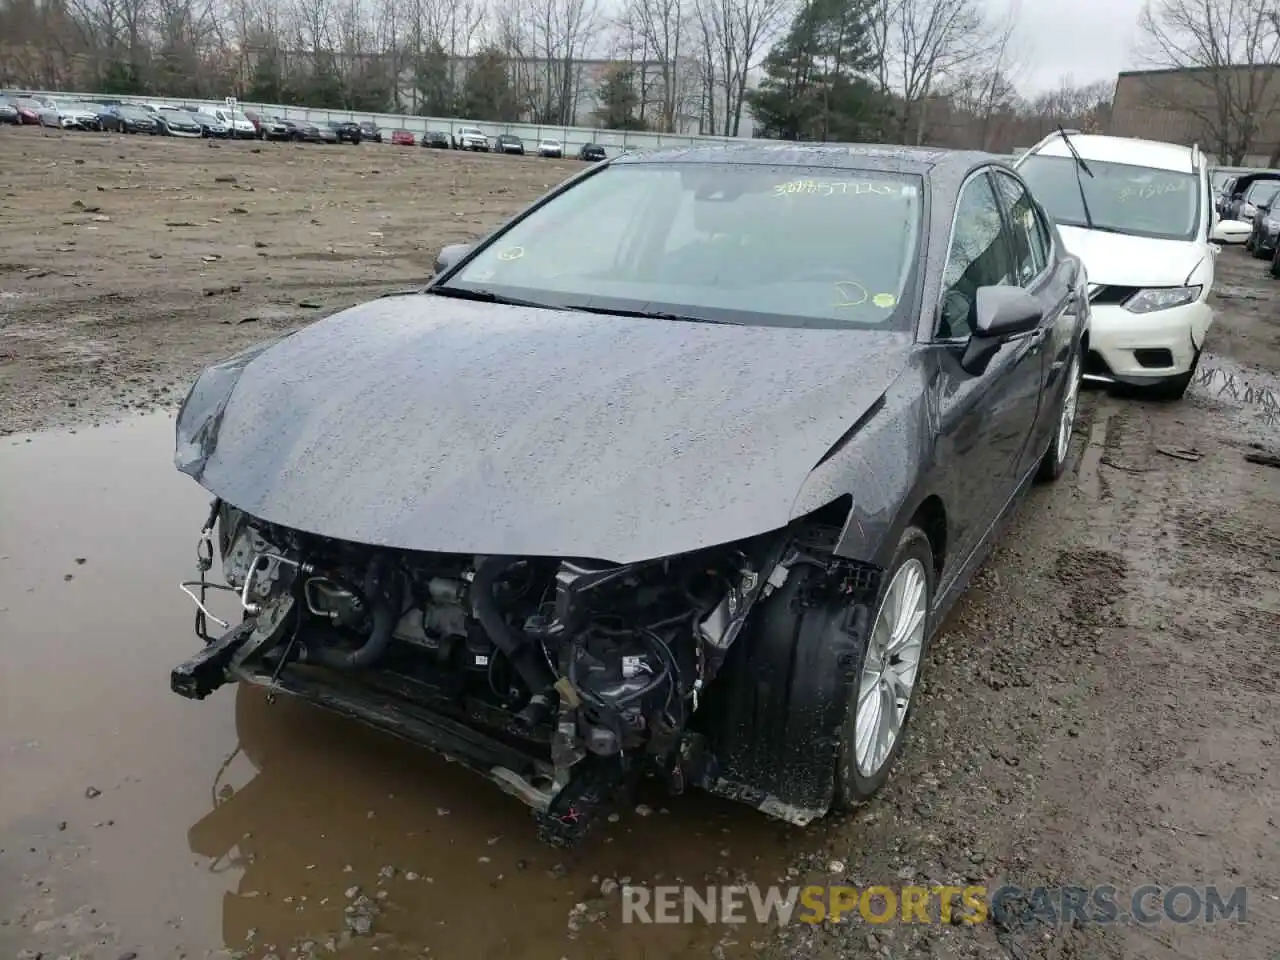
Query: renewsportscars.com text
780,906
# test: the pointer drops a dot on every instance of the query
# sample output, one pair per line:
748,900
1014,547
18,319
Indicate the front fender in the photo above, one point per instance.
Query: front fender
200,416
878,465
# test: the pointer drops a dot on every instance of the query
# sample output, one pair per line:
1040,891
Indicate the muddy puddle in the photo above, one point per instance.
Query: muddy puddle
1252,394
134,820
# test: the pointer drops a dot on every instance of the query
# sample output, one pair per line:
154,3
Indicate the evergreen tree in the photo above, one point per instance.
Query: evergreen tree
487,93
436,95
619,101
815,85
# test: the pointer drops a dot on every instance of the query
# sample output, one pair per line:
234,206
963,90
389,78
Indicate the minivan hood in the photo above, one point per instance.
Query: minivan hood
1117,259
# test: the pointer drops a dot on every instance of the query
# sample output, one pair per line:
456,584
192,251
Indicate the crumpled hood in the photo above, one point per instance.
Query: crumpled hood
425,423
1121,260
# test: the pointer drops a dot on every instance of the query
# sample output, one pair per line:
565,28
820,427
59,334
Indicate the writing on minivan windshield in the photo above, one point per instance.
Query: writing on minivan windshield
1122,197
736,243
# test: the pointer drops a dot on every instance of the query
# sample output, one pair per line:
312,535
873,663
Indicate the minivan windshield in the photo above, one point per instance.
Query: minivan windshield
1122,198
1262,192
738,243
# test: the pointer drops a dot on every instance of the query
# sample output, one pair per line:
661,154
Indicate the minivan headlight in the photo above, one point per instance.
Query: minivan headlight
1162,298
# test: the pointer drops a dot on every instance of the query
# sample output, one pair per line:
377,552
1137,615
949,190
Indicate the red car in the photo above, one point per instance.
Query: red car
402,137
28,110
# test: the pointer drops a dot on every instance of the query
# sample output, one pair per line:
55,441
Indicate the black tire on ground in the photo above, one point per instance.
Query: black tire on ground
1275,262
1259,252
852,788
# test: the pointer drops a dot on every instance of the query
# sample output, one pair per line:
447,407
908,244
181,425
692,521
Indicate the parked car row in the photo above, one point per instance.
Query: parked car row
225,123
474,139
1249,197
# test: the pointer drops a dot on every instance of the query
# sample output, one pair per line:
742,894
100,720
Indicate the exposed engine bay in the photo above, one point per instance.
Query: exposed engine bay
560,679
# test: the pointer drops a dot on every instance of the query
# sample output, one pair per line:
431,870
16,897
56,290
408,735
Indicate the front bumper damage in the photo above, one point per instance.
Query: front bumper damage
587,701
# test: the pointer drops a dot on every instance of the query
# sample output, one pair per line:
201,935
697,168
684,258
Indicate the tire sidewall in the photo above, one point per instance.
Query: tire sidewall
852,788
1053,467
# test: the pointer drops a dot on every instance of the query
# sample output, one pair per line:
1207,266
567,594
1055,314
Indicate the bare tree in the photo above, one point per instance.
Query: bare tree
987,90
546,42
928,43
1229,49
663,27
735,35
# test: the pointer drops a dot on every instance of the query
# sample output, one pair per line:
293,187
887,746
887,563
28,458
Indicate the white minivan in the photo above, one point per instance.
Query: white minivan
241,126
1140,215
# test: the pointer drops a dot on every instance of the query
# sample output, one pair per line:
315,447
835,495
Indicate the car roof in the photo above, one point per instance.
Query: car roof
1155,154
837,156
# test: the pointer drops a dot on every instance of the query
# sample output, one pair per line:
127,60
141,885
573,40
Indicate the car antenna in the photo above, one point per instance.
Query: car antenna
1080,165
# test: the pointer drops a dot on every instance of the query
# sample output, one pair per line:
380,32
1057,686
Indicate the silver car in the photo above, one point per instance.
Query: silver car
70,115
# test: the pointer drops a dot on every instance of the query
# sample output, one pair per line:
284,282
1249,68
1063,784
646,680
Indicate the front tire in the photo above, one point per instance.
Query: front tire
1275,263
886,673
1055,459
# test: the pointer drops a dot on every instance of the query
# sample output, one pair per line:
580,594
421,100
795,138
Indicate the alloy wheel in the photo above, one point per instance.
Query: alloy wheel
1069,403
890,668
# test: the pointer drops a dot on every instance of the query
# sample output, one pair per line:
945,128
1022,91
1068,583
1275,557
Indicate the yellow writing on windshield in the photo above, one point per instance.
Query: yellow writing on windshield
827,188
852,293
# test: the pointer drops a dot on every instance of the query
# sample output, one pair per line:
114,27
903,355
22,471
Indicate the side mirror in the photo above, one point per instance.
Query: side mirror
1005,311
450,255
1001,312
1230,231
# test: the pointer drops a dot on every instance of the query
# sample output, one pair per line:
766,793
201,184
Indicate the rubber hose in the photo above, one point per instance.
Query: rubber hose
535,672
386,613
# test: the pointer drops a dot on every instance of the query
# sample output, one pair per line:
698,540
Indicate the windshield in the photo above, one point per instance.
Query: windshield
738,243
1262,192
1162,204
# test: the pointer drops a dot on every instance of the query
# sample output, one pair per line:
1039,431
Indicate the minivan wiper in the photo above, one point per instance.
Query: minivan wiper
1079,165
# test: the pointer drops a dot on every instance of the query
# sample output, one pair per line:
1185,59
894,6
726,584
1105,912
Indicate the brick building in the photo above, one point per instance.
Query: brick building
1189,106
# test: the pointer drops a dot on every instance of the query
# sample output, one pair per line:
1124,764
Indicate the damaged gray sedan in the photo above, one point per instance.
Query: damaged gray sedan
672,475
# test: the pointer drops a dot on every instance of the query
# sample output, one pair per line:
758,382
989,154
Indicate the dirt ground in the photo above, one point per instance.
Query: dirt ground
110,245
1101,709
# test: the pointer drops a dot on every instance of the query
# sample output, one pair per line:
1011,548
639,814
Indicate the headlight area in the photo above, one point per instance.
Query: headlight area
1153,299
558,678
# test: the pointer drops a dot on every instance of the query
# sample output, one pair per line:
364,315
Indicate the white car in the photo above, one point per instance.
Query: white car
472,138
1140,215
235,120
550,148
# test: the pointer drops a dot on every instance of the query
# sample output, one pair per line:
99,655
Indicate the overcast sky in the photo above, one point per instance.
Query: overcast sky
1089,39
